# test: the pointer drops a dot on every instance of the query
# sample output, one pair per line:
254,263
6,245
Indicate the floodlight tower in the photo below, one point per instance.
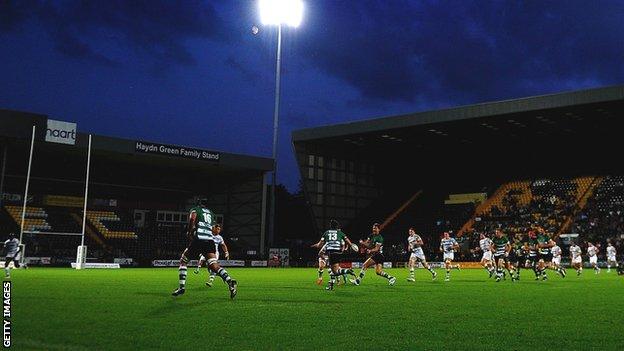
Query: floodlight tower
278,13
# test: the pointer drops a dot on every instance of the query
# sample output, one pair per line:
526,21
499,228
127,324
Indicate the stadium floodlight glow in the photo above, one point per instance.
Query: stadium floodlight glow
278,12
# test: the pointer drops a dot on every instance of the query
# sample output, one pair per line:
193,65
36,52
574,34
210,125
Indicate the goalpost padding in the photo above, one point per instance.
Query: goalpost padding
81,257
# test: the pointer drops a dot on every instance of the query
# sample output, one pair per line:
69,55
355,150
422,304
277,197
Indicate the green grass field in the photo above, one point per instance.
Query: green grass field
282,309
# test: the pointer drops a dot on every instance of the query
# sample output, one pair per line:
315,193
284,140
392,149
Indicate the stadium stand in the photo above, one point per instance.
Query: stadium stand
139,194
35,219
536,158
519,205
603,214
110,226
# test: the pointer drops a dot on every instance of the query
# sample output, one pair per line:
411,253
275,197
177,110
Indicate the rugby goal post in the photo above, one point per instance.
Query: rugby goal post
81,252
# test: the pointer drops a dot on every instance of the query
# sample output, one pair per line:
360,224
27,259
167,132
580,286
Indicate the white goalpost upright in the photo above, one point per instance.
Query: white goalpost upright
22,246
81,254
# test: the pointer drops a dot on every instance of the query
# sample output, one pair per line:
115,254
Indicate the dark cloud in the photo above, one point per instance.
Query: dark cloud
247,73
12,13
462,51
159,29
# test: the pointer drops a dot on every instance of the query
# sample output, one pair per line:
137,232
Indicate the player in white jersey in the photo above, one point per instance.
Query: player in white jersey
448,246
485,246
592,252
414,245
219,242
11,254
611,256
556,260
576,258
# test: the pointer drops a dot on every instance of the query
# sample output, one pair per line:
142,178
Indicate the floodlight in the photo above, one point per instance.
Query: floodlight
278,12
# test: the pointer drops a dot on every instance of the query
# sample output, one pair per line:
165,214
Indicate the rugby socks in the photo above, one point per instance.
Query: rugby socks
224,275
182,275
411,272
345,271
360,276
320,273
499,273
212,276
7,272
385,275
431,270
511,273
332,280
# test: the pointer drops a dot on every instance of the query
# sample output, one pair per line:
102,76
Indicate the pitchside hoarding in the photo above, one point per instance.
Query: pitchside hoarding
176,151
61,132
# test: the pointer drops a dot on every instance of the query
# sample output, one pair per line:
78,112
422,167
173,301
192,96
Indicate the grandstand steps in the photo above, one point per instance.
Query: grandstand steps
485,206
392,217
586,189
380,208
91,232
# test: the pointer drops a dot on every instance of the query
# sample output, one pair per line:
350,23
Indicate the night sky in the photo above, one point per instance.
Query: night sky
192,73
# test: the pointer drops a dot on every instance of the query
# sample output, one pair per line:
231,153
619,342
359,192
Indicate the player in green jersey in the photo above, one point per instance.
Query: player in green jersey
532,259
544,244
334,242
200,232
517,255
374,250
501,249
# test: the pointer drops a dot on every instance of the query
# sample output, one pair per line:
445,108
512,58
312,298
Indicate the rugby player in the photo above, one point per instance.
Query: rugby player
517,255
592,253
374,250
11,254
485,246
202,258
448,246
414,245
219,242
544,243
333,240
611,257
322,264
532,259
200,232
501,252
576,259
556,260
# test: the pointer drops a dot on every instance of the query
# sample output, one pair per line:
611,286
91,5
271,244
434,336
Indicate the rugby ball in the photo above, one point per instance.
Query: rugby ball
355,247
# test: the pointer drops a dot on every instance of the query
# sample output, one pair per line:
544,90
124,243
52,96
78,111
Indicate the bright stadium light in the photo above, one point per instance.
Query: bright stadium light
278,12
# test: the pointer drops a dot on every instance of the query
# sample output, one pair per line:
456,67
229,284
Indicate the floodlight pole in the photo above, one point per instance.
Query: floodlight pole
32,146
275,133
